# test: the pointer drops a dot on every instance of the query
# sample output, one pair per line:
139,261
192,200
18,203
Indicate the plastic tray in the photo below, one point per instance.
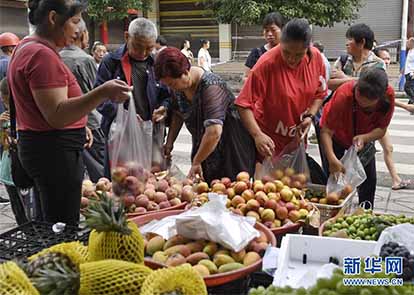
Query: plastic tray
32,237
216,279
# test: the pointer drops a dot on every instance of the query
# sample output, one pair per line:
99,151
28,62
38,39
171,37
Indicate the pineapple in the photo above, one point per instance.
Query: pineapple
112,235
56,275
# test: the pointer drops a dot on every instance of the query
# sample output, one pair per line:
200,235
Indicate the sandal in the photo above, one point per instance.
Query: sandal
402,185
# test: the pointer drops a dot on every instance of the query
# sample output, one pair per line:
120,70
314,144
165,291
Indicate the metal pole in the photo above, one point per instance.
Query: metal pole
404,23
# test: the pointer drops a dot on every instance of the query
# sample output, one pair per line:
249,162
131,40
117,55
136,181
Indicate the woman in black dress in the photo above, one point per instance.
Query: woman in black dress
222,147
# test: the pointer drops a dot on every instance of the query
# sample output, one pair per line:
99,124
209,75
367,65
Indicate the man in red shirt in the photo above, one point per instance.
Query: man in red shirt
358,113
284,90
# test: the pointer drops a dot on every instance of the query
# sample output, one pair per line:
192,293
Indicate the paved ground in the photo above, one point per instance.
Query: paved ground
402,136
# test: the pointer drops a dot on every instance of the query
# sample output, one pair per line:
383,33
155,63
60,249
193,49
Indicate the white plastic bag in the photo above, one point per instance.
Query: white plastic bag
354,173
159,162
402,234
292,156
213,222
130,140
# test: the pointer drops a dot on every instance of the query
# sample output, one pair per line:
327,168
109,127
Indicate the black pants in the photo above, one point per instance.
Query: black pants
17,203
57,170
409,88
366,191
94,156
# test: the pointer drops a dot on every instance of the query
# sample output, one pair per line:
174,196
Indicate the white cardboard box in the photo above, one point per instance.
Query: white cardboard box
292,270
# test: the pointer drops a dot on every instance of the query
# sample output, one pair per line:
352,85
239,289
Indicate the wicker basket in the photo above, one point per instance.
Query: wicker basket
329,211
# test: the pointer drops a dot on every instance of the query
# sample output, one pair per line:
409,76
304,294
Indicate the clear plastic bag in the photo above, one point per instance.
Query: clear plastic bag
354,173
292,156
159,162
130,140
403,234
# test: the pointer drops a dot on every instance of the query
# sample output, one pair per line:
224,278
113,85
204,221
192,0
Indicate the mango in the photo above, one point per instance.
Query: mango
182,249
230,267
175,240
222,251
250,258
175,260
155,244
160,257
195,246
210,249
238,256
202,270
196,257
221,259
210,265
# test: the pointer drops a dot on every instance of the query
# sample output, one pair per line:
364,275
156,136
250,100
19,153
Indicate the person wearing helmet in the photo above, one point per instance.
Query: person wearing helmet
7,43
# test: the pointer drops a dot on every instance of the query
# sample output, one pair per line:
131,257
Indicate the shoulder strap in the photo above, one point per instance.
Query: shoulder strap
343,58
354,117
13,132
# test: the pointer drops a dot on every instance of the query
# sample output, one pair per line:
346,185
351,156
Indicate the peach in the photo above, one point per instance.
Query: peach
243,176
270,204
267,178
187,194
202,187
286,194
226,181
274,196
171,193
152,206
164,204
268,215
262,198
270,187
161,185
258,186
128,200
279,185
219,188
240,187
294,215
119,174
142,201
237,200
160,197
278,174
282,213
230,193
289,171
253,205
286,180
254,214
247,195
175,202
243,208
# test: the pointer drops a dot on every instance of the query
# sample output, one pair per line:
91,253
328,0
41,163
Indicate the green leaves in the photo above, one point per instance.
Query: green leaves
101,10
318,12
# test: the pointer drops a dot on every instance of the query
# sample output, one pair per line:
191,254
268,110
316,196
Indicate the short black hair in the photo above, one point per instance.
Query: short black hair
318,45
361,32
273,18
297,29
379,49
39,10
373,84
204,41
161,40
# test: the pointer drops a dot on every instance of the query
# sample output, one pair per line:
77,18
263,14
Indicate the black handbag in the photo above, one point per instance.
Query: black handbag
19,175
367,154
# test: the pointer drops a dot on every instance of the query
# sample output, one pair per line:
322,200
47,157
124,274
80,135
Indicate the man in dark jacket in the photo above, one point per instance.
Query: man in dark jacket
83,67
133,63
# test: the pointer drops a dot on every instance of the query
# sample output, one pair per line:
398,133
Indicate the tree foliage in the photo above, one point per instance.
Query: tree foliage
100,10
318,12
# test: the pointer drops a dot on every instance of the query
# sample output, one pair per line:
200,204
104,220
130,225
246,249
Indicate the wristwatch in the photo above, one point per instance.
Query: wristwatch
308,115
